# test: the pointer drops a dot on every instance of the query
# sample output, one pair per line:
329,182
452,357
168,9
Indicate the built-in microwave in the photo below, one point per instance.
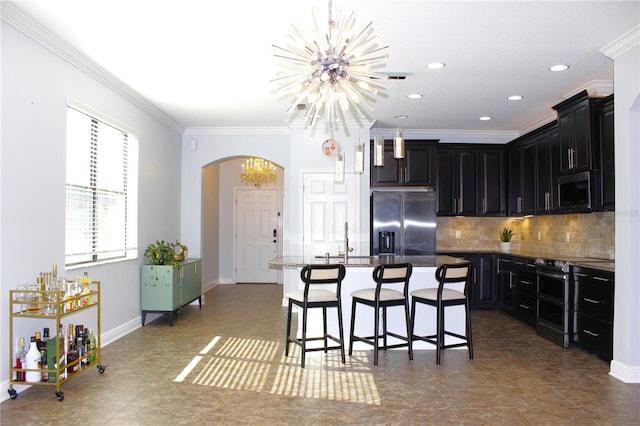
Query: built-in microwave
575,192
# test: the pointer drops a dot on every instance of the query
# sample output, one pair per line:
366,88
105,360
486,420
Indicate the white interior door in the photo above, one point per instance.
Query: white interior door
327,207
257,235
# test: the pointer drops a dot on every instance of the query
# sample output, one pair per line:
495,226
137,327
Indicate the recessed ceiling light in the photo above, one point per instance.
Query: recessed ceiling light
435,65
414,96
485,118
515,98
559,67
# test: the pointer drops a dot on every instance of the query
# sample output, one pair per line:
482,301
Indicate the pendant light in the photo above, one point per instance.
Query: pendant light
378,151
398,144
398,139
358,164
338,176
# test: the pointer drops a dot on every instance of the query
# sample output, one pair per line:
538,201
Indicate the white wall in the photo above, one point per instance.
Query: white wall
295,150
210,225
35,85
626,333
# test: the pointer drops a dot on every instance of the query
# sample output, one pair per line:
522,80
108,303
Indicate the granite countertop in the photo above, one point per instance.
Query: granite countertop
364,261
582,261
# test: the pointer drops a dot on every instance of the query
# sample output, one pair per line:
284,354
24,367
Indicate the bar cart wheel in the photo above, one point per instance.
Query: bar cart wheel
13,394
101,368
60,395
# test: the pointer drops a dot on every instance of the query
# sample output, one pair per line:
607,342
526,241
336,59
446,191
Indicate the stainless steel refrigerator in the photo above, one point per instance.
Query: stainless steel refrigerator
403,223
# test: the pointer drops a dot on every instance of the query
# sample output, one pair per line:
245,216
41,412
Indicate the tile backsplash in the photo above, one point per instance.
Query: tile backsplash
588,234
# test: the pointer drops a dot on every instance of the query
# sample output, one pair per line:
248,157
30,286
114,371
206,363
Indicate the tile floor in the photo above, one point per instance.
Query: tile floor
224,365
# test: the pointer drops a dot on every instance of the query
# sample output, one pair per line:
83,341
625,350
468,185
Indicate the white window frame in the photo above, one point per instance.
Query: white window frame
92,243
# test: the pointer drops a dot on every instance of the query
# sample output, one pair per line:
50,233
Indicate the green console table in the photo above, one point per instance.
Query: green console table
165,289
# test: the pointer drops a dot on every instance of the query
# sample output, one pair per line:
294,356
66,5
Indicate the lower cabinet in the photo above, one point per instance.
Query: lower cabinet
167,288
504,283
482,291
524,292
593,311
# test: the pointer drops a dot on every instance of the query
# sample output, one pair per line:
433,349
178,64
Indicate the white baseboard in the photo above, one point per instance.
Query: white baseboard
625,373
120,331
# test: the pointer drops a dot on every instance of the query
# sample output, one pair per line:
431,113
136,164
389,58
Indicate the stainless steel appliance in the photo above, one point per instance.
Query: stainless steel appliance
403,222
553,320
575,192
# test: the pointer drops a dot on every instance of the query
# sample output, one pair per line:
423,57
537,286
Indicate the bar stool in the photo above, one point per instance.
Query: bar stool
382,297
317,276
440,298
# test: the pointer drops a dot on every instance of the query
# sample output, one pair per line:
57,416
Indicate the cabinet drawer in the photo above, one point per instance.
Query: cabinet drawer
595,336
524,308
525,283
592,298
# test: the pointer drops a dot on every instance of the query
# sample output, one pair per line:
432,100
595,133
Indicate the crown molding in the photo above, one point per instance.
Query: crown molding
14,16
623,43
261,131
451,136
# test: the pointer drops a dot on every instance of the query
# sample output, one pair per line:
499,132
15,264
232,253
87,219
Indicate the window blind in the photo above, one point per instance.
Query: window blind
99,204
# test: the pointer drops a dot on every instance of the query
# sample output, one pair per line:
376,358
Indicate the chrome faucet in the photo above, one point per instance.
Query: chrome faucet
347,249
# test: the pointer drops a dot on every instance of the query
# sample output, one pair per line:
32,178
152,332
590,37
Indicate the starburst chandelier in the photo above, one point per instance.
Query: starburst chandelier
257,172
332,73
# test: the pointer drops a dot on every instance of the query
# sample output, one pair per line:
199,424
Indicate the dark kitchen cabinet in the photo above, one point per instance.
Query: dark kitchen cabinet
482,290
547,168
522,178
417,168
604,135
524,292
593,311
534,166
504,284
492,182
574,125
457,182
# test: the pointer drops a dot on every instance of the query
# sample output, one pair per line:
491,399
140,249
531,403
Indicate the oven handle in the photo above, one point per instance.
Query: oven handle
551,275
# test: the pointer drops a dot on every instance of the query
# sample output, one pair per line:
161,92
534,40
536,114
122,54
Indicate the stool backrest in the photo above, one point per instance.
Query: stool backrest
392,274
454,273
323,274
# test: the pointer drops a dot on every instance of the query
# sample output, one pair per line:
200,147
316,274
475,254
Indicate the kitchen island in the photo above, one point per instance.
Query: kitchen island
359,276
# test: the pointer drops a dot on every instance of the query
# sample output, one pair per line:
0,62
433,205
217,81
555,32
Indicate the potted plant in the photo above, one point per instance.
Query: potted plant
160,253
505,238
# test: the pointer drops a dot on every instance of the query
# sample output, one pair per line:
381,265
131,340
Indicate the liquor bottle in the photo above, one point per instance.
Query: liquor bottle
92,346
33,361
21,360
42,348
45,355
79,345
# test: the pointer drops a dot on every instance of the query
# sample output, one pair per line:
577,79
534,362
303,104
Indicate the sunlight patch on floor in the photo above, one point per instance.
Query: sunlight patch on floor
256,366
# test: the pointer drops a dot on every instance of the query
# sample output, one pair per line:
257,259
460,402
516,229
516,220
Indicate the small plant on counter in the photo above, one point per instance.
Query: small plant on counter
506,234
160,253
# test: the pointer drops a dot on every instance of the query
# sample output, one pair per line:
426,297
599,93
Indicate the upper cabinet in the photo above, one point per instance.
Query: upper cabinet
574,125
586,133
534,165
471,180
547,168
417,168
492,182
457,182
604,135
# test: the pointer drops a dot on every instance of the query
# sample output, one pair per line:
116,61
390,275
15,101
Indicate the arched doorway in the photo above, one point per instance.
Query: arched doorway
221,186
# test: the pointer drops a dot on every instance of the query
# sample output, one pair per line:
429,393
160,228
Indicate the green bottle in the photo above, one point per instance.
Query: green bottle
92,346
